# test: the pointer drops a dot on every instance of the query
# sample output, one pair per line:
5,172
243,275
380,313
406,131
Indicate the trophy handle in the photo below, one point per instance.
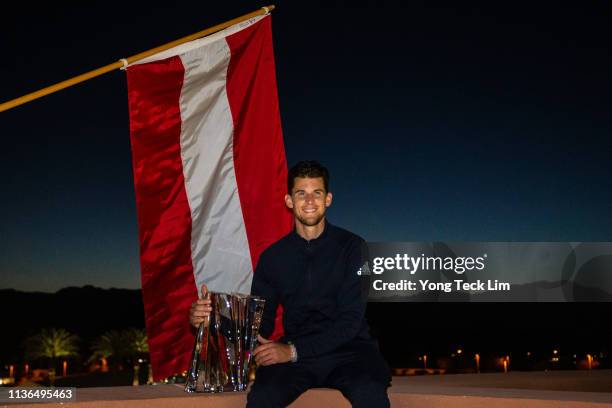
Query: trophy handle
201,341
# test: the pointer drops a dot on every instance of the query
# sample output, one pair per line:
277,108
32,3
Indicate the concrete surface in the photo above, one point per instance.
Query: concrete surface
570,389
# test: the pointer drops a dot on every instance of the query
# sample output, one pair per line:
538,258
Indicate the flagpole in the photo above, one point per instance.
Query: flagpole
126,61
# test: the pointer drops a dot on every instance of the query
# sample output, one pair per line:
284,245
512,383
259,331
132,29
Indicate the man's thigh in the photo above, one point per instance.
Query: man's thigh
362,375
278,385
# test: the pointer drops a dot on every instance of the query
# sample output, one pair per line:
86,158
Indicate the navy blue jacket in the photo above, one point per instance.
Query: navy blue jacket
317,283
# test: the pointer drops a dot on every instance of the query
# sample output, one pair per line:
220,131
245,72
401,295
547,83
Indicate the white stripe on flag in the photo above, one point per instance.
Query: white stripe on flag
219,245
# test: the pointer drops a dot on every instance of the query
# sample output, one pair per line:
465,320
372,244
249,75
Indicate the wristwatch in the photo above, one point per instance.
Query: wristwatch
294,355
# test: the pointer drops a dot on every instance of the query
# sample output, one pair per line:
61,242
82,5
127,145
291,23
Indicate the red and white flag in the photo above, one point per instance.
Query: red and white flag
209,172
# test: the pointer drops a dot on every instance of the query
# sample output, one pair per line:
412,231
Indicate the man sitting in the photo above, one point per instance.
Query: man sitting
313,273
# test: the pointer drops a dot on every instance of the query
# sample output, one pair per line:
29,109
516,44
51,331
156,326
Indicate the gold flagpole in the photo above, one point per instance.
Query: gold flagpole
122,62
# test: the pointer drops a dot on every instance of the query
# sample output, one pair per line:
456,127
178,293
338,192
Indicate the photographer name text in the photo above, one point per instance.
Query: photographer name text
427,285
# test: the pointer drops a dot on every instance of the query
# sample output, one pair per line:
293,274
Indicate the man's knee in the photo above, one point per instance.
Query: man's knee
363,391
265,395
276,387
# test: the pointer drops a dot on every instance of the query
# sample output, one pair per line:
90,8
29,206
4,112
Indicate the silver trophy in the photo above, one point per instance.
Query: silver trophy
224,344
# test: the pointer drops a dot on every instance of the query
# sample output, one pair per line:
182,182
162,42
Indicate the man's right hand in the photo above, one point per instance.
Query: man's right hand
200,309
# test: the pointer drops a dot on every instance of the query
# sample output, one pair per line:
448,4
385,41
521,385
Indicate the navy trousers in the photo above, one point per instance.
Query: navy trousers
357,369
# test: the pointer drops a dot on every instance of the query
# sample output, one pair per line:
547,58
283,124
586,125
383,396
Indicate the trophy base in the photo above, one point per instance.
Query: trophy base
215,389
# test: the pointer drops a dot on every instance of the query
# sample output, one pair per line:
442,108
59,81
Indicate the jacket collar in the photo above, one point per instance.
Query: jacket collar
316,240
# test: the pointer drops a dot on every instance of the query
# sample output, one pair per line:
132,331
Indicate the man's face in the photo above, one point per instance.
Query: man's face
308,200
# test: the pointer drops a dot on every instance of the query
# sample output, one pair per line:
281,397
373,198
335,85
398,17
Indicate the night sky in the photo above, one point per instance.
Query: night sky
438,121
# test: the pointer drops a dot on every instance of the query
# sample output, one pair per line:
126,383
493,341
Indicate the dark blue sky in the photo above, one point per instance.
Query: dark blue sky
438,121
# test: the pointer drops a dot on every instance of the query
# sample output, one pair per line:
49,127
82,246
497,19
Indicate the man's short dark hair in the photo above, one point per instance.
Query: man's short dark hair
307,169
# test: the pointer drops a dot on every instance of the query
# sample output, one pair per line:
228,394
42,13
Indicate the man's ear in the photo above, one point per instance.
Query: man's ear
328,199
288,201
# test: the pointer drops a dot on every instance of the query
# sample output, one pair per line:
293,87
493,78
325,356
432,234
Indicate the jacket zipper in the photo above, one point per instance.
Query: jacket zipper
309,271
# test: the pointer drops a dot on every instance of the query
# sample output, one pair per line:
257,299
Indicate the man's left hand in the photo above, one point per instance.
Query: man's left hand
271,352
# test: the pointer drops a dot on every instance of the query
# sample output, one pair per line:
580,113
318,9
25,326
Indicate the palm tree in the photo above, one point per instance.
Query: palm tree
51,344
138,341
111,344
130,344
138,347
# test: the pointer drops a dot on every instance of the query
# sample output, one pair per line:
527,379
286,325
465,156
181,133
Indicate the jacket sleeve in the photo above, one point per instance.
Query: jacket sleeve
262,287
351,310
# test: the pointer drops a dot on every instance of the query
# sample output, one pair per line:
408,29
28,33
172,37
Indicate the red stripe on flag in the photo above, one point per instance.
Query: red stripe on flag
164,218
259,152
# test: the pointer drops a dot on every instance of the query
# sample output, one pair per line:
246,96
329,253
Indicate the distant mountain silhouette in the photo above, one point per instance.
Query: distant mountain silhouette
87,311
